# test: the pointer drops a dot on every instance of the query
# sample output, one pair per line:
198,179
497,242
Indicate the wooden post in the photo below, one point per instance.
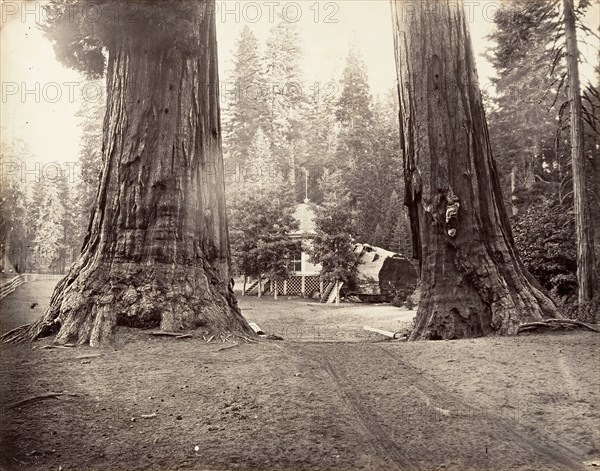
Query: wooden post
303,287
244,286
260,285
276,287
337,292
285,286
321,288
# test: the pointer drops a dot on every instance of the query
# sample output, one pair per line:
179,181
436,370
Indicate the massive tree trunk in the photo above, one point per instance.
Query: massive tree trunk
157,249
585,250
473,282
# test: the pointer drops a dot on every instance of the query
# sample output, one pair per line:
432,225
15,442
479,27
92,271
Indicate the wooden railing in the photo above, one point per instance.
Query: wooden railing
11,285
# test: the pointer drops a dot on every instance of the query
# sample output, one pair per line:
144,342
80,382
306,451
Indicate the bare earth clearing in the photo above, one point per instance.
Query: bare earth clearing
327,397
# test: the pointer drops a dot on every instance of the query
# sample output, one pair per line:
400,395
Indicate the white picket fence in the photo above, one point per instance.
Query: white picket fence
11,285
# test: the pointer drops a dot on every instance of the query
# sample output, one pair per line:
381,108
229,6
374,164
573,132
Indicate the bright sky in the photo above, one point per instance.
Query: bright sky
40,97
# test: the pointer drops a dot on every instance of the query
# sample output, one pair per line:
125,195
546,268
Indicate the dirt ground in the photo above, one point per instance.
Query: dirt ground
329,396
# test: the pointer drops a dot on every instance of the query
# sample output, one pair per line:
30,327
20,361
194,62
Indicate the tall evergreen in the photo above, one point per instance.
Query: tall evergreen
333,244
354,112
245,95
525,130
87,178
320,142
13,208
49,230
286,99
261,214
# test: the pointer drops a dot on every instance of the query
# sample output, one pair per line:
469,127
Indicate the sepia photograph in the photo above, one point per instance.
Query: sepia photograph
299,235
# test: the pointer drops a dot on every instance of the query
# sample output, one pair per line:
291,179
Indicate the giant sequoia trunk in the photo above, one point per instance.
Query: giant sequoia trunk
473,282
157,250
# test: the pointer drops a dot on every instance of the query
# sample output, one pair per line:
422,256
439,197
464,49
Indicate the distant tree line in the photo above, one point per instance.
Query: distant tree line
298,136
45,207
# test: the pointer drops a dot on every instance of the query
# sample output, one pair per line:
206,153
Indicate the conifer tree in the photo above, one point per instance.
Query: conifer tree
245,94
333,245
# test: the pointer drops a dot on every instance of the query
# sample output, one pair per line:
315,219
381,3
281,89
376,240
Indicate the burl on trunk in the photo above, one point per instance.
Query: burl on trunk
473,281
157,249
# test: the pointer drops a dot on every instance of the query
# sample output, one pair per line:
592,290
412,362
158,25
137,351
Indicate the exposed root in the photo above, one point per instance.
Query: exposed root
555,324
14,332
90,309
29,332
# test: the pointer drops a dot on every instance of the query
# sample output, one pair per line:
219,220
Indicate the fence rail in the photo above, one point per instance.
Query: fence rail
11,285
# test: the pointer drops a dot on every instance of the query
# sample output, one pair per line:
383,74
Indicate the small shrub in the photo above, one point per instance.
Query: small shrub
589,312
398,301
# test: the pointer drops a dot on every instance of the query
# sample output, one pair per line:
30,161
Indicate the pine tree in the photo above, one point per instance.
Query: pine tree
320,142
72,218
261,220
379,237
581,198
286,101
529,125
354,105
402,238
91,114
524,121
49,231
13,209
261,172
333,245
260,211
354,155
354,113
393,214
245,95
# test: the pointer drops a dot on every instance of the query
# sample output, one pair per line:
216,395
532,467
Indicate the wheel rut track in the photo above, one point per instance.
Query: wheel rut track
338,361
379,440
542,446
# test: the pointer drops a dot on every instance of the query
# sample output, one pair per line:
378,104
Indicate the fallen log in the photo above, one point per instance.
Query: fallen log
386,333
177,335
255,327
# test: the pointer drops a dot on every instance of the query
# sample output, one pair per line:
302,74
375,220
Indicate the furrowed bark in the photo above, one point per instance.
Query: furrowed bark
473,282
585,248
157,249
